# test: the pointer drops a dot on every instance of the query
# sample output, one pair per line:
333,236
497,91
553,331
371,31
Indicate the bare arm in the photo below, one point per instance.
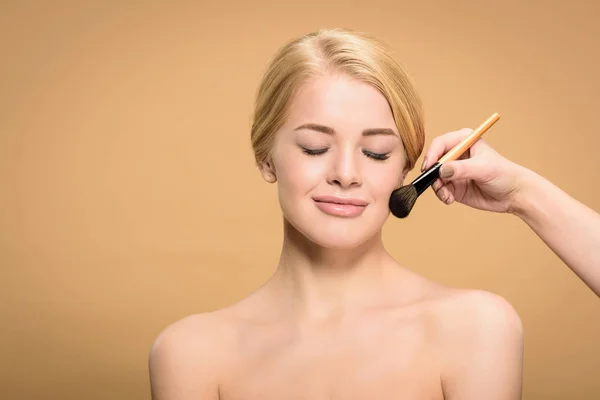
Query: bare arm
485,180
484,350
568,227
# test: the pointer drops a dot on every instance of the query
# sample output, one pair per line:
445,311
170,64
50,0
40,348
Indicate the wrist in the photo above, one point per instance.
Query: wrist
523,201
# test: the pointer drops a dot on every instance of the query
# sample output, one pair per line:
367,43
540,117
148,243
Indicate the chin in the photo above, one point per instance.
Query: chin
338,243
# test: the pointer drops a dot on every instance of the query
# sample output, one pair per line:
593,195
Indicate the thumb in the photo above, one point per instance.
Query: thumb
465,169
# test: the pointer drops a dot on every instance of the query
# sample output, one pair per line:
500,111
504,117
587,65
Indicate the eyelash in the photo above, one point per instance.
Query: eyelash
370,154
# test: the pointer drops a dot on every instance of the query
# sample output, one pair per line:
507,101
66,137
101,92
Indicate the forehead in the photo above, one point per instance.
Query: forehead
341,101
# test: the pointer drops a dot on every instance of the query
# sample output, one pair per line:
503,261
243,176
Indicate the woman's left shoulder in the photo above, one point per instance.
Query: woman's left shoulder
478,339
477,303
467,315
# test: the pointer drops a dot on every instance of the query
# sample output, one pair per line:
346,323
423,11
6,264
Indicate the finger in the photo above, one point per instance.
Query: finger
442,144
451,192
437,185
445,195
472,168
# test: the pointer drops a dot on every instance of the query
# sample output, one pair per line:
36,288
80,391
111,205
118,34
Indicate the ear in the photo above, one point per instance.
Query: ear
267,170
405,172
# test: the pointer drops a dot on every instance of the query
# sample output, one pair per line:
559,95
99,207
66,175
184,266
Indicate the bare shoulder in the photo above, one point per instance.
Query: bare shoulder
459,309
187,357
477,312
480,338
194,333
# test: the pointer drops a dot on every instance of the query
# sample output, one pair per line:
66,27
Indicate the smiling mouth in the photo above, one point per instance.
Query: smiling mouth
340,207
340,200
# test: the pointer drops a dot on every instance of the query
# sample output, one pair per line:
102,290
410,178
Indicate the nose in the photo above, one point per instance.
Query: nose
345,170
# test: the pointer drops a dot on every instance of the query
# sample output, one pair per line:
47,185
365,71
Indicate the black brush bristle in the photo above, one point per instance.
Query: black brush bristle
402,200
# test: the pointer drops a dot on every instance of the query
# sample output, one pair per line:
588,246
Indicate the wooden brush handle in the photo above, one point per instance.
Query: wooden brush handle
463,146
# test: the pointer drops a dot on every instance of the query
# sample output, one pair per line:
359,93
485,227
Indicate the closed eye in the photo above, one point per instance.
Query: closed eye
314,152
370,154
376,156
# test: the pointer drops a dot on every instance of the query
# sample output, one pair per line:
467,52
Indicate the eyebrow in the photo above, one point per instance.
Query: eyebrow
331,131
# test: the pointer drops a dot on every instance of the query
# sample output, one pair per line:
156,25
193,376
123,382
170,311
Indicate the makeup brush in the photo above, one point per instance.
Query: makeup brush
403,199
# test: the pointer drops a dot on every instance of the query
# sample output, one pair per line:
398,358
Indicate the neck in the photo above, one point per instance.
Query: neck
323,282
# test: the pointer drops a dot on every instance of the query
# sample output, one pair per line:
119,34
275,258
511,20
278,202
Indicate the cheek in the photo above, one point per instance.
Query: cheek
298,174
384,179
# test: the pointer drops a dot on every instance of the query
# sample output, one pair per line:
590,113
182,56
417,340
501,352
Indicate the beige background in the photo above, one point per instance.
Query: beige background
129,198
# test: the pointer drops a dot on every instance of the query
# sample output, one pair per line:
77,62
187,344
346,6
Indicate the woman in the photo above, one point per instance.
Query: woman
337,126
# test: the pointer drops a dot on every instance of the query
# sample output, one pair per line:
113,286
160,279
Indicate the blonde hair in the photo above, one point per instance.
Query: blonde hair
337,50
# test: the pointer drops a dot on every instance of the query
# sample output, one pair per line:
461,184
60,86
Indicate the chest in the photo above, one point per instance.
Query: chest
359,364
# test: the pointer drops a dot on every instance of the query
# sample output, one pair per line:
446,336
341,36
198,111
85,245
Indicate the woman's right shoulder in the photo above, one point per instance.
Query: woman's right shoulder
201,332
189,356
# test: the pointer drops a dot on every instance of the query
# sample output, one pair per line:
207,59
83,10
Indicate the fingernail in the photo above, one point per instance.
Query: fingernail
424,164
446,171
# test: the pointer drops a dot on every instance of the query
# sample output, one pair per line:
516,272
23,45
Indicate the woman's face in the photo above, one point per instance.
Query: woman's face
336,160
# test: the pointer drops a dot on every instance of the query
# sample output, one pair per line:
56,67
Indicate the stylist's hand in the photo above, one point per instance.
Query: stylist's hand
481,178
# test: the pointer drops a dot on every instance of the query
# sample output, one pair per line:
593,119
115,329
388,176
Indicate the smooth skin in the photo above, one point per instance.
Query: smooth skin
340,318
485,180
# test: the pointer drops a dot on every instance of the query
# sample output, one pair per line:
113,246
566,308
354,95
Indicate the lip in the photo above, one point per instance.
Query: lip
340,206
340,200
